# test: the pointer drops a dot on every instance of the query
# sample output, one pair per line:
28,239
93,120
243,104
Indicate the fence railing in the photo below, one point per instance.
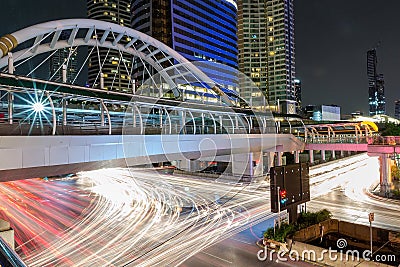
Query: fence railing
385,140
8,257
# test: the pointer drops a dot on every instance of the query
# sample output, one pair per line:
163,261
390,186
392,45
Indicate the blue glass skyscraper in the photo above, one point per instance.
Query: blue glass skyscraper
200,30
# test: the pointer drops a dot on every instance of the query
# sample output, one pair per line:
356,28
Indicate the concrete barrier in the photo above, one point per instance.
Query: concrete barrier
7,233
357,231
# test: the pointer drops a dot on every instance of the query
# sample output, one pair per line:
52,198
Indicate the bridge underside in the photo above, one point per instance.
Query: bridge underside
26,157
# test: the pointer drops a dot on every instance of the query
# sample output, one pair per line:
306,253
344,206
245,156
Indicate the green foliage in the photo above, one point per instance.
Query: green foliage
391,129
310,218
305,220
396,192
395,172
281,233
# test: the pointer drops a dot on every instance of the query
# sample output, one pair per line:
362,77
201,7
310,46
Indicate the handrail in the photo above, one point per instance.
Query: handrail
8,254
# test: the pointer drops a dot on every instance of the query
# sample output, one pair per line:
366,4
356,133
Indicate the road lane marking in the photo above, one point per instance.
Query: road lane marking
217,257
242,241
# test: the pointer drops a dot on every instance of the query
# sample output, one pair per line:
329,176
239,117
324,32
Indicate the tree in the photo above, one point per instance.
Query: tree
391,129
395,172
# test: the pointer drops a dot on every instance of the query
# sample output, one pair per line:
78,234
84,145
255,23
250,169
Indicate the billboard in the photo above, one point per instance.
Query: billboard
294,185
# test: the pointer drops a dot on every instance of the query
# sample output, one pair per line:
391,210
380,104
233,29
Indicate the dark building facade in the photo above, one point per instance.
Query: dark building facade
376,85
113,67
397,109
67,57
297,93
202,30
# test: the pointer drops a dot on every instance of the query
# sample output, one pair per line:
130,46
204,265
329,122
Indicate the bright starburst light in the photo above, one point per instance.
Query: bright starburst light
36,111
38,107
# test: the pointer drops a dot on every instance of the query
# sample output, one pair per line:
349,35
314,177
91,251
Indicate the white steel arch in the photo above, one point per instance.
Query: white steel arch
46,37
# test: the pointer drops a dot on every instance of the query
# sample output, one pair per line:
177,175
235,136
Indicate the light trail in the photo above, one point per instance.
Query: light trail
109,218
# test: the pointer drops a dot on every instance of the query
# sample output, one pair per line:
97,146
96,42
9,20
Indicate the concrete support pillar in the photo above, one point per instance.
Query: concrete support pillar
279,158
385,173
10,99
271,161
323,155
202,124
250,165
311,154
342,153
183,121
221,126
333,154
102,121
185,165
134,116
297,157
64,111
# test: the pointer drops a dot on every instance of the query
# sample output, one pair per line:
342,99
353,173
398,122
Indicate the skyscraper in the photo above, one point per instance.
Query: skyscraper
376,85
114,67
252,40
397,109
266,49
67,57
297,93
203,30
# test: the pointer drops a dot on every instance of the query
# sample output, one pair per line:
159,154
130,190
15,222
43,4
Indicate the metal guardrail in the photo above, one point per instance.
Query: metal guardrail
8,257
374,140
335,140
385,140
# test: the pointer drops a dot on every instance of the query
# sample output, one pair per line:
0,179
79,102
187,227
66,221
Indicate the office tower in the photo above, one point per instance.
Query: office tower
376,85
397,109
114,67
202,30
67,57
326,113
297,93
252,40
266,49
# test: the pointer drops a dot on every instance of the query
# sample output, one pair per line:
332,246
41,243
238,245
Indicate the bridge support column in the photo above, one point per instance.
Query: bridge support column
10,99
385,173
311,155
323,155
64,111
182,114
333,154
342,154
297,157
102,112
271,161
279,158
185,164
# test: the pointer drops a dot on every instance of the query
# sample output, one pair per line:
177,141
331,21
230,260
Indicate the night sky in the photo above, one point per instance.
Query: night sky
332,38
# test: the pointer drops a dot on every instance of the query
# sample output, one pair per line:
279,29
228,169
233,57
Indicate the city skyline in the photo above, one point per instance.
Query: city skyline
348,29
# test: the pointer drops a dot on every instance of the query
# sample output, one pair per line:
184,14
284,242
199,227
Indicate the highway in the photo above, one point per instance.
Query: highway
112,217
339,186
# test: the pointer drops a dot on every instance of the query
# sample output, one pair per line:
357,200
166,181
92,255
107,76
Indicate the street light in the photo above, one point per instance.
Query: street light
38,107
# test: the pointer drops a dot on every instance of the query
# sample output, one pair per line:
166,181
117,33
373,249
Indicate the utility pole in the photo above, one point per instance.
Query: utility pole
278,189
371,218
